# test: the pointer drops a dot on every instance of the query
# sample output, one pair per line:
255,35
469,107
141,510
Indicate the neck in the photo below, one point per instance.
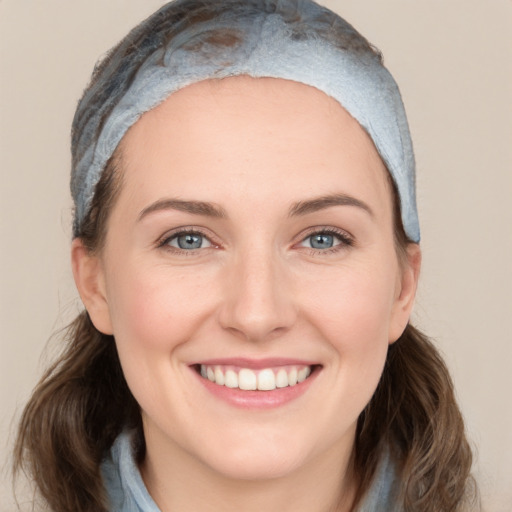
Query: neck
179,482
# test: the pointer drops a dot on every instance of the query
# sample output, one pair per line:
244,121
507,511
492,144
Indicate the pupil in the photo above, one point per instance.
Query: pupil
189,241
322,241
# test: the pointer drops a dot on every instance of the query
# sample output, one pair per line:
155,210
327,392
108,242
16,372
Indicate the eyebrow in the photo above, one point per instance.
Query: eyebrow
194,207
320,203
297,209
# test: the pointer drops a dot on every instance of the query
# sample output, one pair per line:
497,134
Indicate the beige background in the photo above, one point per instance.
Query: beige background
453,60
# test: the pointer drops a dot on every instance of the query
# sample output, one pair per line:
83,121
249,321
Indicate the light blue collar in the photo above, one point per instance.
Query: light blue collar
125,489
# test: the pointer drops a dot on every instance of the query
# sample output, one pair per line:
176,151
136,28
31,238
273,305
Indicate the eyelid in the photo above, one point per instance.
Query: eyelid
163,241
346,239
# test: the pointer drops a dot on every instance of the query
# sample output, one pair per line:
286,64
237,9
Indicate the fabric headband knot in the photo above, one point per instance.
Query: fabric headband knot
185,42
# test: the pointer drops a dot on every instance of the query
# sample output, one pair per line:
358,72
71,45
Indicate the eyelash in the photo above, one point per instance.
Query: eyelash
345,240
164,242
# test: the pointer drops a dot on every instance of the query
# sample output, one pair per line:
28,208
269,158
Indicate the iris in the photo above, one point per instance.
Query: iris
321,241
188,241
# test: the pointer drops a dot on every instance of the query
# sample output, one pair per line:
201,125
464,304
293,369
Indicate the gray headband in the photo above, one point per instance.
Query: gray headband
290,39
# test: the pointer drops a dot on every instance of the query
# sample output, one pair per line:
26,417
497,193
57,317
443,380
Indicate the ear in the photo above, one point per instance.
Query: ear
406,292
89,279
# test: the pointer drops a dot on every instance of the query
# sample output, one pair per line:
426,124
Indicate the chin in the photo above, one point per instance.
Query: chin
250,465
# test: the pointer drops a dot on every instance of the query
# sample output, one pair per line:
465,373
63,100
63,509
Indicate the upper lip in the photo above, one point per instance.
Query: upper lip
255,364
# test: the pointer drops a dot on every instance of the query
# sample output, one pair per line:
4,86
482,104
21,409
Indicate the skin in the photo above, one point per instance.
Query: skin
255,148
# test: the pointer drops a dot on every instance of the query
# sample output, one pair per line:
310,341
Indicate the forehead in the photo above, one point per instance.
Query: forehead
256,99
264,130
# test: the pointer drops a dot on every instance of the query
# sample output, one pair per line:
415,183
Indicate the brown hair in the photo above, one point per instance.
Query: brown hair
82,402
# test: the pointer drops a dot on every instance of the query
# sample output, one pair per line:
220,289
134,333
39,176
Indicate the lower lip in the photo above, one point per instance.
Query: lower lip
258,399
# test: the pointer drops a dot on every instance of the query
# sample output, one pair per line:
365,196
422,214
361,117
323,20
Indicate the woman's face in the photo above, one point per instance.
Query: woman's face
252,241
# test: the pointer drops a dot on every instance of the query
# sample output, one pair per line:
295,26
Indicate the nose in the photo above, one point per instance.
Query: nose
258,301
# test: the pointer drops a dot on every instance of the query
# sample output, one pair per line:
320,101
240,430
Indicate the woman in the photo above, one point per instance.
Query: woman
246,249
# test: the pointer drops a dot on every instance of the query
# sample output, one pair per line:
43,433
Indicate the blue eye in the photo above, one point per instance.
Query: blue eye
324,240
188,241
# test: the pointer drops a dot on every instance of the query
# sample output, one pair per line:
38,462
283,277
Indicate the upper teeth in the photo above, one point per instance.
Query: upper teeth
265,379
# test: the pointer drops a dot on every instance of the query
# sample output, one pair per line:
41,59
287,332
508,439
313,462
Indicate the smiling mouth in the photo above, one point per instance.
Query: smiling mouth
264,379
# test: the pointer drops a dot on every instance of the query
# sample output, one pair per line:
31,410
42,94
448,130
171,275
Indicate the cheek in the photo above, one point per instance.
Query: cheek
351,309
353,305
154,312
157,309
